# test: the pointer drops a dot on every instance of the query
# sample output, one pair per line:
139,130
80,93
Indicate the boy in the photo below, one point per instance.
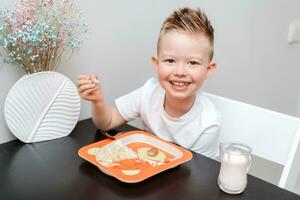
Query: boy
172,107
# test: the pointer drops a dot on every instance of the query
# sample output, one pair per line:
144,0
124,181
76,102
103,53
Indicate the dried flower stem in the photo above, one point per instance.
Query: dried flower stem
38,33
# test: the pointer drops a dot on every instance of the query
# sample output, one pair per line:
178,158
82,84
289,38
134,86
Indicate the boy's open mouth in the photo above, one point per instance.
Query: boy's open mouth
180,83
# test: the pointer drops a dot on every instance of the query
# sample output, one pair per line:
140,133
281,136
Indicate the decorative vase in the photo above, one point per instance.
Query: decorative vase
42,106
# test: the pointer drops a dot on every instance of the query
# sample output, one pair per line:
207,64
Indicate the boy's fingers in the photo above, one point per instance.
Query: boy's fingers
87,91
83,82
94,78
82,88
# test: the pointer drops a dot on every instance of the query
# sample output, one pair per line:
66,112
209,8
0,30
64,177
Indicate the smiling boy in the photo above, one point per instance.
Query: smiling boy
171,106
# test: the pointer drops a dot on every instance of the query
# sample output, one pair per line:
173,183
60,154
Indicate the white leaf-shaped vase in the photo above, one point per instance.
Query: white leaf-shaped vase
42,106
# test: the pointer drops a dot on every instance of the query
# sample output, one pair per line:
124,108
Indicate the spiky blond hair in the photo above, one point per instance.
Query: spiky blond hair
191,21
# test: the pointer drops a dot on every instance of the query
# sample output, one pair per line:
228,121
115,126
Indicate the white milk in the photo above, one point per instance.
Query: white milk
233,172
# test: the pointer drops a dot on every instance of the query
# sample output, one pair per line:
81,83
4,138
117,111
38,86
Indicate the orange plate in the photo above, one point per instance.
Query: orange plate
135,139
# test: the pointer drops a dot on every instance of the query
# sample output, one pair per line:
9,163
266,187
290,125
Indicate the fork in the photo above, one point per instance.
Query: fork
105,133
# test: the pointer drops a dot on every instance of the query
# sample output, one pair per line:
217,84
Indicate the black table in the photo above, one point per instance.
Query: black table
53,170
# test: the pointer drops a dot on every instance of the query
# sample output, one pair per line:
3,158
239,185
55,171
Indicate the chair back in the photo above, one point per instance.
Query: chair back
271,135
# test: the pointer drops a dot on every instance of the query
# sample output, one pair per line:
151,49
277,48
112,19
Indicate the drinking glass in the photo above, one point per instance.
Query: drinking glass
235,161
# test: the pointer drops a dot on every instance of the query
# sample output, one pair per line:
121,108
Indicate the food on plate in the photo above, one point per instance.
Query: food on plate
93,151
129,160
153,151
131,166
114,152
134,156
143,154
131,172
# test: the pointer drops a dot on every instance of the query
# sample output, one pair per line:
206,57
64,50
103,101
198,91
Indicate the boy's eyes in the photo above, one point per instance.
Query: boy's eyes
193,63
169,60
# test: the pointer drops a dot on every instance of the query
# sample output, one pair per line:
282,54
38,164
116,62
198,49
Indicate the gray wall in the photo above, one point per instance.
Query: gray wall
255,63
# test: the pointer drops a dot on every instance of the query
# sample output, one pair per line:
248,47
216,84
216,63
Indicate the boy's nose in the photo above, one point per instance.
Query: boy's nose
180,70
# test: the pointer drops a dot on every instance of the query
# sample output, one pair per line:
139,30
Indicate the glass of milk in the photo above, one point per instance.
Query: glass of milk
235,161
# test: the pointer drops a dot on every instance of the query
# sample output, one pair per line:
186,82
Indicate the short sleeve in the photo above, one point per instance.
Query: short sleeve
129,105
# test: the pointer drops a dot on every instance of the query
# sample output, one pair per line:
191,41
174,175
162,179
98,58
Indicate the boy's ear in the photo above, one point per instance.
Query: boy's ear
155,63
210,69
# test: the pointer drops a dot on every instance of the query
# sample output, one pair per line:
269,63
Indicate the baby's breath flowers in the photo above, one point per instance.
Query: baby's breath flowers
37,33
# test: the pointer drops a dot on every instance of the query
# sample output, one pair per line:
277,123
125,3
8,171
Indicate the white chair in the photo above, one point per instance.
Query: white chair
271,135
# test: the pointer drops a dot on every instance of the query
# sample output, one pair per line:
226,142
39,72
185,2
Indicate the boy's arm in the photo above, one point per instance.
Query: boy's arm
106,118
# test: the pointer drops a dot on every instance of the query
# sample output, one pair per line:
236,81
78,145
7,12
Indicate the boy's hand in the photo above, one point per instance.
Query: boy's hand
89,88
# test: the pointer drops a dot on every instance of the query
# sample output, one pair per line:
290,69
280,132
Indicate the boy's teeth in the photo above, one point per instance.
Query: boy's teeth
179,83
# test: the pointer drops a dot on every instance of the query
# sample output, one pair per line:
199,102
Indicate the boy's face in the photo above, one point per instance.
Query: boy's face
183,63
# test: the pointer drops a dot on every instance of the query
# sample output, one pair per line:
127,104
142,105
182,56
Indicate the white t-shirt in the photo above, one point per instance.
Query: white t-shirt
197,130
